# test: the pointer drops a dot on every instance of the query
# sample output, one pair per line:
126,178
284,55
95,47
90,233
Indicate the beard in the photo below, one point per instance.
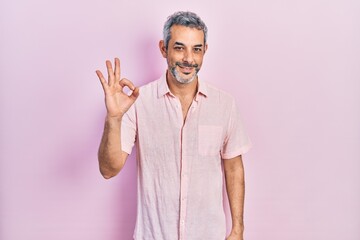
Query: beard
182,80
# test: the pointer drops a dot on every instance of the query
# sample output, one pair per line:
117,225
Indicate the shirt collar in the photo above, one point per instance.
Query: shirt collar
163,88
202,89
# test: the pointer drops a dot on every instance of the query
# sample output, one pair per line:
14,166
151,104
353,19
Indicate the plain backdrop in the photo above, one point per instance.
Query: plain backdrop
293,67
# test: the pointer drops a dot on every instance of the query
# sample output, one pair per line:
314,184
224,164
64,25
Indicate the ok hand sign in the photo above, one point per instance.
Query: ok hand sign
117,102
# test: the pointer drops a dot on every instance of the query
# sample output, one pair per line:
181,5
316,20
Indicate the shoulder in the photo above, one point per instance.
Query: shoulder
217,94
148,95
149,86
149,90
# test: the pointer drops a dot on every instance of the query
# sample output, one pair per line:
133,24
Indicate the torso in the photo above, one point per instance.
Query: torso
175,162
185,106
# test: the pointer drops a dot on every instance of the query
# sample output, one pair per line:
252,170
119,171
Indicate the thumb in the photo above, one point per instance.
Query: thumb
135,94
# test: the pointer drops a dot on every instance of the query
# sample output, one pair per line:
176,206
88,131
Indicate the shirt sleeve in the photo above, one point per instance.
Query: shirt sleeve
128,130
236,140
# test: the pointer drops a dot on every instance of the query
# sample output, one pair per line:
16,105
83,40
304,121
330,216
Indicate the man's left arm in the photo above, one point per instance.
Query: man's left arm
235,187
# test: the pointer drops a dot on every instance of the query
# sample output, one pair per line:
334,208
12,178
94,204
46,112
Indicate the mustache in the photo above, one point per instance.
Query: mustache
185,64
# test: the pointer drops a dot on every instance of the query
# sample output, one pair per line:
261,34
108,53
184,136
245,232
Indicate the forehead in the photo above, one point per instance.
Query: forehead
186,35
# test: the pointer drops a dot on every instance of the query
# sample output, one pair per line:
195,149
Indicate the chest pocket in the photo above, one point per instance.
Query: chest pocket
210,140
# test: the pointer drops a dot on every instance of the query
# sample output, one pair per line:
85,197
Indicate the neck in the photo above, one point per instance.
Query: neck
181,90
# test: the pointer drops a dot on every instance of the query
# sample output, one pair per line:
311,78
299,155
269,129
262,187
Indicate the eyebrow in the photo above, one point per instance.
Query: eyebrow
181,44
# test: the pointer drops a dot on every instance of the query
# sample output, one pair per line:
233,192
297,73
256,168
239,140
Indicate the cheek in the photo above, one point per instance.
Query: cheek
170,62
199,59
173,58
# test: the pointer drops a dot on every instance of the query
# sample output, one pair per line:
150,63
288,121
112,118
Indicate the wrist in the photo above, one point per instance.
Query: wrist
110,118
238,230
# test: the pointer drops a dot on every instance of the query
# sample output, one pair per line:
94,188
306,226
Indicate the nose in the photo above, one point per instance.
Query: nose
188,56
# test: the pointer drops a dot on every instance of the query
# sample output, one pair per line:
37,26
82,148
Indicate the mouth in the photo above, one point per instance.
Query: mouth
186,68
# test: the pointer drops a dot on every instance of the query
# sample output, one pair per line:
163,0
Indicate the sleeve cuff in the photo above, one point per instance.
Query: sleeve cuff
126,149
240,151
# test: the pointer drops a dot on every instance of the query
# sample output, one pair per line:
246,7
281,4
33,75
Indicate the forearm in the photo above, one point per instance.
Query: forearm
110,156
235,185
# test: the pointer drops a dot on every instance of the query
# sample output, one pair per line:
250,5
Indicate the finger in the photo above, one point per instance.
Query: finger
102,79
117,69
110,72
135,94
125,82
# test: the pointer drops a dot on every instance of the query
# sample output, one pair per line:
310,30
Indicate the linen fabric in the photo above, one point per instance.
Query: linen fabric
179,163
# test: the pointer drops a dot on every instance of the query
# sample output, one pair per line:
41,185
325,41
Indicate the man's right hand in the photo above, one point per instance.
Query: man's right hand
116,100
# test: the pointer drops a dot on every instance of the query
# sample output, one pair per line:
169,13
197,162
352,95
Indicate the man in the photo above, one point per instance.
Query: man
188,136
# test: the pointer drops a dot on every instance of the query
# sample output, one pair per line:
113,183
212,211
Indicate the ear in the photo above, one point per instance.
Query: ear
206,48
162,48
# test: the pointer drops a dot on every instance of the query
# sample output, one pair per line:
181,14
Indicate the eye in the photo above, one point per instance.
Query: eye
179,48
197,49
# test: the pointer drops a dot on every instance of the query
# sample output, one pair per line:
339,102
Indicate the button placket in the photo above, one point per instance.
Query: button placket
183,183
184,175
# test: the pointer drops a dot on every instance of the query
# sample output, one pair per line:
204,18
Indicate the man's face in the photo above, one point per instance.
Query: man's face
184,53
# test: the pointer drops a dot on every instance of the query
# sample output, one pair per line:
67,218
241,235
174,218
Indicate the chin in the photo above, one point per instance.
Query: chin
187,80
183,79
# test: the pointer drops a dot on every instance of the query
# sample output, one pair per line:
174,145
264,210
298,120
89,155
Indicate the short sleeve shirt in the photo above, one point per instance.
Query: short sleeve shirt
180,174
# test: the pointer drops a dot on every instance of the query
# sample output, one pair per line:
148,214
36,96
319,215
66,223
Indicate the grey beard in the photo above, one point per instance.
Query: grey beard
181,80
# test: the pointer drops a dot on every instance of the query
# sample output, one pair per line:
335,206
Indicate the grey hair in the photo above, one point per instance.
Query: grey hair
187,19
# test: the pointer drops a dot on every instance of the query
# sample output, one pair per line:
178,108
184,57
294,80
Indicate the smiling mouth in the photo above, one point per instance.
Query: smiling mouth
187,68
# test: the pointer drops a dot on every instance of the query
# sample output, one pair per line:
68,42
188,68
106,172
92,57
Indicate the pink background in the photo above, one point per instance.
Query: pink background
293,66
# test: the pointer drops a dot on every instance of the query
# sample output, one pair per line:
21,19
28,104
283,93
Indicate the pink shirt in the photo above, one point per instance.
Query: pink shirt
180,176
